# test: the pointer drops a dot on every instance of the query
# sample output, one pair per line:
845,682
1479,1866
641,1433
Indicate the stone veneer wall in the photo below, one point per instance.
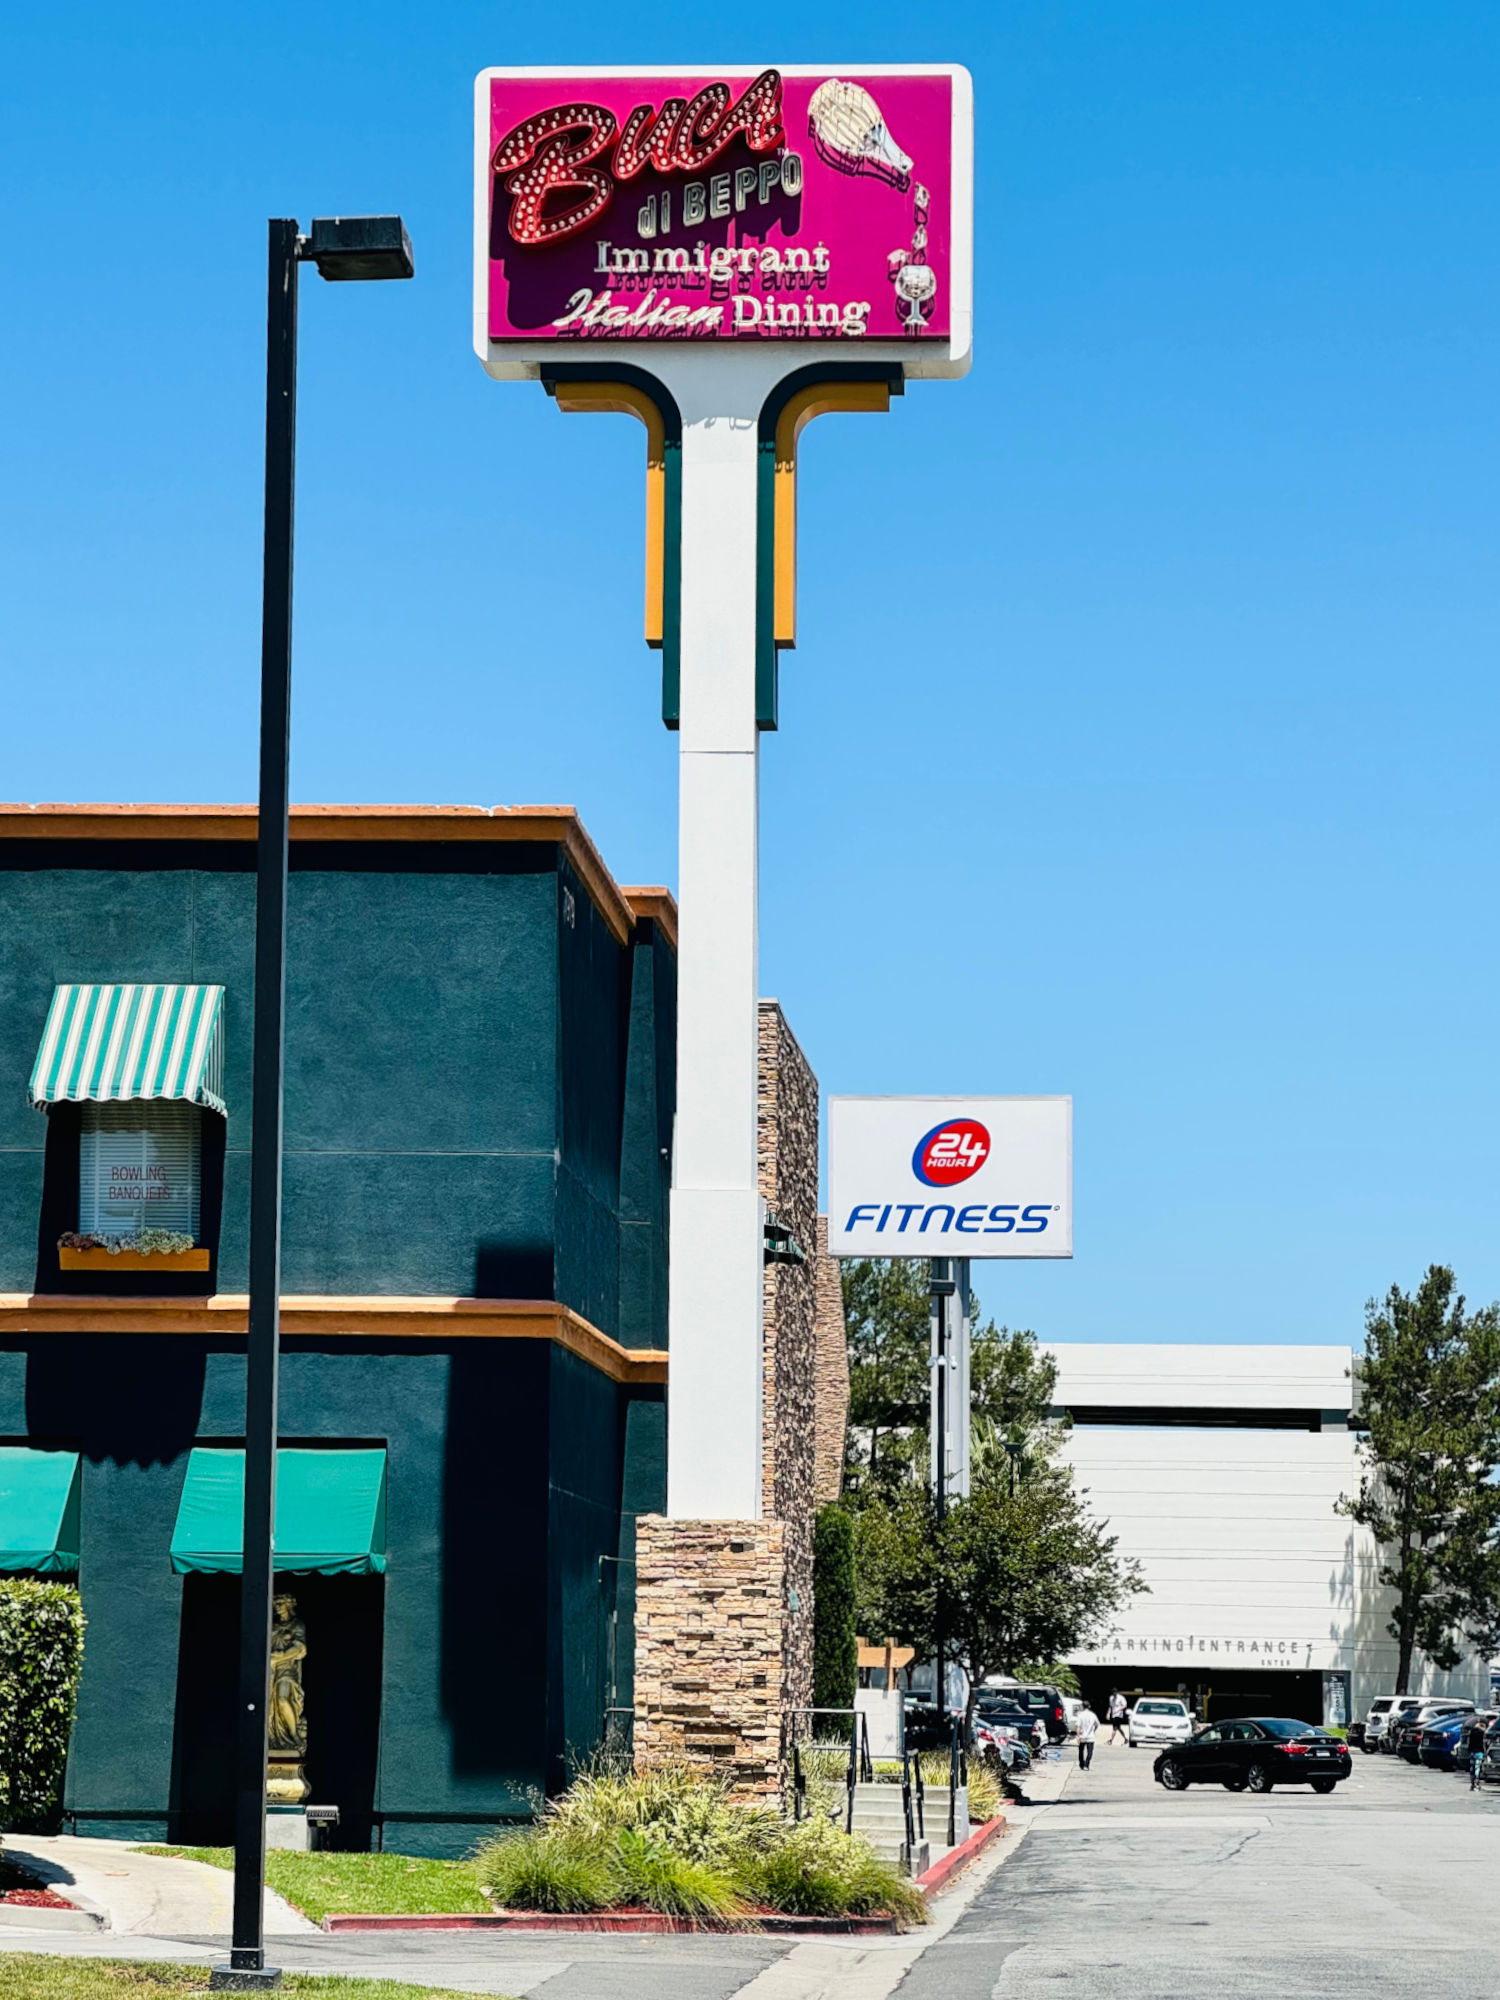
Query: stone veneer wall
724,1608
789,1187
830,1375
709,1615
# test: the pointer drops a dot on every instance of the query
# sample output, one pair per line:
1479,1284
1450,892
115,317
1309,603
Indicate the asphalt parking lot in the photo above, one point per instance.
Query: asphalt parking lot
1124,1891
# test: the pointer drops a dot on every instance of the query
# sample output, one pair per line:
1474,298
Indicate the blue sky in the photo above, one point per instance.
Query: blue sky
1141,738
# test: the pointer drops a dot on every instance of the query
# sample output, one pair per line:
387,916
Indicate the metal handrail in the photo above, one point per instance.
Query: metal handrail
957,1775
859,1767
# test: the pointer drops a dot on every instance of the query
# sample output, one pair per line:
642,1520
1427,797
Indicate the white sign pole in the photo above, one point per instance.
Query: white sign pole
556,131
717,1244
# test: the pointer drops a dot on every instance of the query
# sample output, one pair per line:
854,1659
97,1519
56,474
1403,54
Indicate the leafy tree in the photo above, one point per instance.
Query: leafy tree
888,1315
1005,1577
1430,1450
835,1641
886,1318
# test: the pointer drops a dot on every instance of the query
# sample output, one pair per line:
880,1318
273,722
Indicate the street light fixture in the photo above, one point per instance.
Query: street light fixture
344,248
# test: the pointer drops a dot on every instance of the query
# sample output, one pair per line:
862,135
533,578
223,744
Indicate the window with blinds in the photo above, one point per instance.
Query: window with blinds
138,1168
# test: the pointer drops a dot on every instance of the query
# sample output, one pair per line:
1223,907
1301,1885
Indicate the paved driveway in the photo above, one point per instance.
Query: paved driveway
1126,1892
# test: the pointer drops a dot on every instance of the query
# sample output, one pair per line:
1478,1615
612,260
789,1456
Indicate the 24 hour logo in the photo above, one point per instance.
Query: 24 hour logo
951,1153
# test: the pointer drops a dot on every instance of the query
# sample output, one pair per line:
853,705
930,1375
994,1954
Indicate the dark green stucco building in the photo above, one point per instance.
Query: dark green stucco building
480,1033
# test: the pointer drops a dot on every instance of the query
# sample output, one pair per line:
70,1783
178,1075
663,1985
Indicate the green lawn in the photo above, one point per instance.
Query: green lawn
30,1976
394,1885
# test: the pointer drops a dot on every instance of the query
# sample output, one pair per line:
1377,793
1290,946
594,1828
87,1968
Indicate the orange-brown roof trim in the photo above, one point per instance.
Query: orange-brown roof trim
660,905
185,822
320,1317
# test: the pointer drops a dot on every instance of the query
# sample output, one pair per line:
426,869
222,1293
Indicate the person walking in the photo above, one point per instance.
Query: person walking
1117,1712
1087,1727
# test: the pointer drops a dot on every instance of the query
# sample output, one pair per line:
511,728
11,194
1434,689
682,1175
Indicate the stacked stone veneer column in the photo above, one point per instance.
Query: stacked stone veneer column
830,1375
724,1608
709,1645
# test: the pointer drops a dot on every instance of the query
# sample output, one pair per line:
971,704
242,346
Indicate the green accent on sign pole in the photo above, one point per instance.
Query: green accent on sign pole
767,662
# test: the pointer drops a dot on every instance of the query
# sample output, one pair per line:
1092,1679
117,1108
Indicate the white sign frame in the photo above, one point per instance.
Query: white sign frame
523,361
1016,1202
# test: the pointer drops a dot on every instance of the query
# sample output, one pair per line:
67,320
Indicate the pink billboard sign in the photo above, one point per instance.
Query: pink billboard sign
786,205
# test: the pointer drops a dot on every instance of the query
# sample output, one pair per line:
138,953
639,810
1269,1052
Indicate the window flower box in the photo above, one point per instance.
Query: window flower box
133,1260
148,1250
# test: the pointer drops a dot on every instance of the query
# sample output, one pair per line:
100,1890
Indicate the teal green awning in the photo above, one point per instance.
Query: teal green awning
38,1509
115,1044
330,1513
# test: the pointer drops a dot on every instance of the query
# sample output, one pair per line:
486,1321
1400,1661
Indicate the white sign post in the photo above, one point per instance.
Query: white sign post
723,255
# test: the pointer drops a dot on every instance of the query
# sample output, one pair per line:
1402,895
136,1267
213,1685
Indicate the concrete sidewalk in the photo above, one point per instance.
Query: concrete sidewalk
142,1895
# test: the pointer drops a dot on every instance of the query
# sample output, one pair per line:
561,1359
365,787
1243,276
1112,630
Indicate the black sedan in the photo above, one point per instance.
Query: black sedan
1255,1753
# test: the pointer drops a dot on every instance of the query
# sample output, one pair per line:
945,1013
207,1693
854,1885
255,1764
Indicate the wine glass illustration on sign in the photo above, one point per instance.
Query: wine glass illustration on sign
850,134
909,271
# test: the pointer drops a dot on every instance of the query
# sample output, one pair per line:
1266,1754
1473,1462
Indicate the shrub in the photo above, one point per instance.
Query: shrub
819,1870
659,1877
41,1656
527,1871
673,1840
835,1644
984,1792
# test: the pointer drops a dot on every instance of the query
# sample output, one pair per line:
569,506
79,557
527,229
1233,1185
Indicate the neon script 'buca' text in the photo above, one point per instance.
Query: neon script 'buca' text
554,152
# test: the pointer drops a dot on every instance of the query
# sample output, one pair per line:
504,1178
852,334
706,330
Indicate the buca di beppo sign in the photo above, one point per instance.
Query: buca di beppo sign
784,205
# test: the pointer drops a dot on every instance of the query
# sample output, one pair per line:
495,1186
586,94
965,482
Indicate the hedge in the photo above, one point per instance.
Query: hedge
41,1656
835,1646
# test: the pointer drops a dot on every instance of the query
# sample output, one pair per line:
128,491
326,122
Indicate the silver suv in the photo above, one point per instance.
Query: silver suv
1387,1713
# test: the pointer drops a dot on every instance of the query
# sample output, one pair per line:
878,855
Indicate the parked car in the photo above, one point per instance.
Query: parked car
1355,1736
1046,1703
1490,1773
1408,1737
1158,1719
1440,1744
1385,1717
1001,1743
1001,1712
925,1726
1255,1753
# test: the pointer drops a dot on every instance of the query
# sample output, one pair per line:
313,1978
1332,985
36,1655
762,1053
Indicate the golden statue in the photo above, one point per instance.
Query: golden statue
286,1784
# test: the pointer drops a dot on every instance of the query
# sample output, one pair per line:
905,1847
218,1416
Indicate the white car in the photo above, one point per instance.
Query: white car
1159,1719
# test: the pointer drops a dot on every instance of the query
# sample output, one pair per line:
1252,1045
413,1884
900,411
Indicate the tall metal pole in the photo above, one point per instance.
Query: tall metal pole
940,1282
247,1962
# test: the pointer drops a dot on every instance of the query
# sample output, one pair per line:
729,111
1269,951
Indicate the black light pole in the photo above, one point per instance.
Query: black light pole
342,248
941,1287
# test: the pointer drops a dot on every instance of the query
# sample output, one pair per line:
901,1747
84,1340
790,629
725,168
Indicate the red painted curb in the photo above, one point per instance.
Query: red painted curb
648,1923
941,1873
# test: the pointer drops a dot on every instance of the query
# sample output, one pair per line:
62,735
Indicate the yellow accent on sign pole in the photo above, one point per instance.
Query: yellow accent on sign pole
819,399
619,399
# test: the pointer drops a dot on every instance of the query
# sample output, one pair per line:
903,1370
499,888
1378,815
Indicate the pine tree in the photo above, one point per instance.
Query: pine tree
1429,1412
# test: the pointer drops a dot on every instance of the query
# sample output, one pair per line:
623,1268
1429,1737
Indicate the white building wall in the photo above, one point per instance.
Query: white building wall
1249,1566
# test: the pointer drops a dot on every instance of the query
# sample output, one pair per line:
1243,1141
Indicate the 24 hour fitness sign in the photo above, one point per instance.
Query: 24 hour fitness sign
784,204
950,1176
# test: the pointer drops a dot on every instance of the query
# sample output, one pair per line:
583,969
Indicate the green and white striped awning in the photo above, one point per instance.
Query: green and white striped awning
109,1044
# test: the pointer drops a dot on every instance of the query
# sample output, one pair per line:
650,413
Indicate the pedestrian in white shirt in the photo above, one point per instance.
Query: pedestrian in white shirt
1119,1709
1087,1727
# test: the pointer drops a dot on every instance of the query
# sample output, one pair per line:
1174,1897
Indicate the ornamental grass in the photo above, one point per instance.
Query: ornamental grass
673,1840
